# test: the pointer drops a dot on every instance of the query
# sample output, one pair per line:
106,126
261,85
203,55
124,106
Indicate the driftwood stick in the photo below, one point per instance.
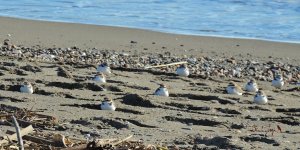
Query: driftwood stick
121,141
80,147
5,115
165,65
99,143
18,131
34,139
38,140
23,132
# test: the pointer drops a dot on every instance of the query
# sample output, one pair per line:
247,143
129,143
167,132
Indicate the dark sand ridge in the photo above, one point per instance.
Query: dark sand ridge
48,34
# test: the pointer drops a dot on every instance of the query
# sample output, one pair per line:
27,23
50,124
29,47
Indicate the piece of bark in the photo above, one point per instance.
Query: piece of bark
121,141
34,139
24,131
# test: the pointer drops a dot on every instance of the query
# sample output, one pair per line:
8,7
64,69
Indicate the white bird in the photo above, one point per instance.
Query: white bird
162,91
278,81
26,88
251,86
104,68
233,88
183,70
260,98
108,104
100,77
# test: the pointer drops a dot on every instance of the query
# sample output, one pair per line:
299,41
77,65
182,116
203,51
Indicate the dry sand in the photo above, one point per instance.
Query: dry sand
196,107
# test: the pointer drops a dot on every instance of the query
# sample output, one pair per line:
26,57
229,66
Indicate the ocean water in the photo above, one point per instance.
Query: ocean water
277,20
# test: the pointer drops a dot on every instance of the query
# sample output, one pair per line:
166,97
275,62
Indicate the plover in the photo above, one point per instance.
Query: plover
278,81
251,86
104,68
99,77
162,91
108,104
183,70
260,98
26,88
233,88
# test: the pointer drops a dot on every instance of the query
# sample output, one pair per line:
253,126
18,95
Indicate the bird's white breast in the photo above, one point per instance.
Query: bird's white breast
182,72
162,92
99,79
26,89
105,70
277,83
107,106
233,90
259,99
251,87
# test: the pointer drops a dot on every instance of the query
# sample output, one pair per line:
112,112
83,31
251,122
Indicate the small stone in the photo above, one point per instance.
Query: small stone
61,128
2,121
190,124
192,60
214,101
179,114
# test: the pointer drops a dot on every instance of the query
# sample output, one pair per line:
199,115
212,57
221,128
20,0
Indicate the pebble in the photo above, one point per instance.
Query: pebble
255,119
238,131
214,101
215,117
192,60
2,121
209,66
190,124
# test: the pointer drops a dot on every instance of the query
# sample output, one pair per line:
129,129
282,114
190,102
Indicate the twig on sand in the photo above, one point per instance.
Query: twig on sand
165,65
18,131
121,141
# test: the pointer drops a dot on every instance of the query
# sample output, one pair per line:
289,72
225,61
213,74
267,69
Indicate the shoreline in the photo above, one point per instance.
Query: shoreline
154,30
56,34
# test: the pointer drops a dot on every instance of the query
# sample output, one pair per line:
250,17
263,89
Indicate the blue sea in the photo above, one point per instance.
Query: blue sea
276,20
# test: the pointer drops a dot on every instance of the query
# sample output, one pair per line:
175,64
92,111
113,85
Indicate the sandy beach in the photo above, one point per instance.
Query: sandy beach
198,113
